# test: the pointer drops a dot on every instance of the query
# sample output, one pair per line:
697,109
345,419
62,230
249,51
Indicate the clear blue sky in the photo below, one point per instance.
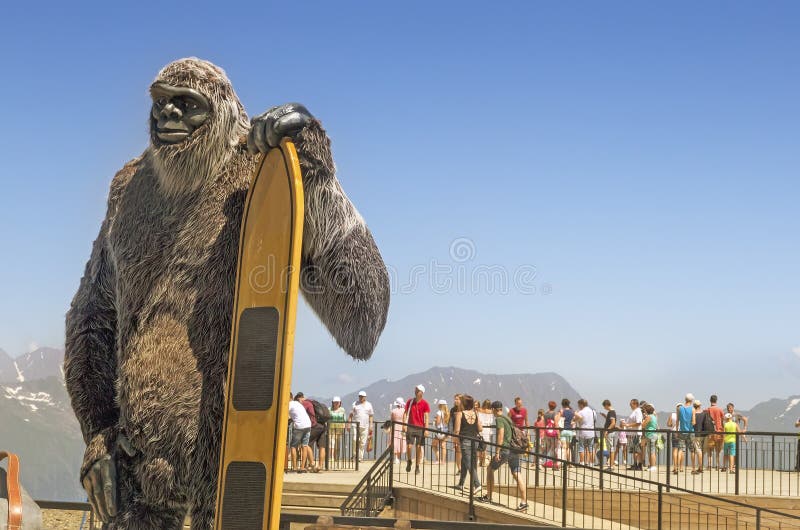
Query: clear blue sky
643,158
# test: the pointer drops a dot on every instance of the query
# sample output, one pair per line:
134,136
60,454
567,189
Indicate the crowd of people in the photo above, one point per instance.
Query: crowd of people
483,429
580,434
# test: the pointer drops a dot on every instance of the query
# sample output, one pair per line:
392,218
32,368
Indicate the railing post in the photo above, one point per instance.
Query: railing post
328,444
369,496
772,458
391,461
736,464
602,444
660,504
473,455
538,444
563,495
668,460
358,443
758,518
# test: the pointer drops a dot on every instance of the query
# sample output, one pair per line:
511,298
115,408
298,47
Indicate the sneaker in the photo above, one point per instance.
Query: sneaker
476,491
522,507
396,461
483,498
458,487
416,470
652,468
408,466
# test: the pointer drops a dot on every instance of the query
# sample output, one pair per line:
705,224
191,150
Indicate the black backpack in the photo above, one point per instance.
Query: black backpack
706,424
321,411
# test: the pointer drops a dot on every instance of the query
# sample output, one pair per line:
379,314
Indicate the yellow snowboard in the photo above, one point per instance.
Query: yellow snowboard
262,342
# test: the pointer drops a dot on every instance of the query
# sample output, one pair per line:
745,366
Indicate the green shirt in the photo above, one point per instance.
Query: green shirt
508,429
336,423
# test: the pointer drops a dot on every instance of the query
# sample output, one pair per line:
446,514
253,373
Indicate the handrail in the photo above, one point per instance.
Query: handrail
363,498
578,481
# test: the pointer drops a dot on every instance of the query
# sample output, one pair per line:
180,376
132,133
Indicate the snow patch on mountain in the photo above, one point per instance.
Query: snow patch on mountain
20,377
32,400
789,407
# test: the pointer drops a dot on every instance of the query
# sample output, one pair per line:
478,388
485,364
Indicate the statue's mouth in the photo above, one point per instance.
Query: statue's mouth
171,135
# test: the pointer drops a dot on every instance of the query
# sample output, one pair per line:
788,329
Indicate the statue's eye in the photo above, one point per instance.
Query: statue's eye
191,105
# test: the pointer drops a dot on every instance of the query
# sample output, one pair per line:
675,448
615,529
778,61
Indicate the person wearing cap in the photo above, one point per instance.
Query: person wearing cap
503,454
731,429
699,418
440,422
416,419
336,428
686,417
362,413
398,413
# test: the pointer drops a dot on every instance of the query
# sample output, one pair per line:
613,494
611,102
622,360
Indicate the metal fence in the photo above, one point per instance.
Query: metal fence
586,495
765,462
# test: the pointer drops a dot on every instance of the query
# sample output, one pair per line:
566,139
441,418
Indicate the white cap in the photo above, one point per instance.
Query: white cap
442,402
728,415
399,402
336,399
689,397
421,388
362,393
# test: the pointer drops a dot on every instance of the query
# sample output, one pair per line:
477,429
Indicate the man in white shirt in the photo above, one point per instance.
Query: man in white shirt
634,424
301,431
362,413
585,419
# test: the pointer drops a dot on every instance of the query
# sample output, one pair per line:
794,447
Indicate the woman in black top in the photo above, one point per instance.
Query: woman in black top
469,427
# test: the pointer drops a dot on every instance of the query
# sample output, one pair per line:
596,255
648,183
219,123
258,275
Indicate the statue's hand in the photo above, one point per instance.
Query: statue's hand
267,130
100,483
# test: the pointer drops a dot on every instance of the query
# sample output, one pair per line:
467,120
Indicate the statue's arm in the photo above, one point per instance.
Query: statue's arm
343,276
89,356
90,361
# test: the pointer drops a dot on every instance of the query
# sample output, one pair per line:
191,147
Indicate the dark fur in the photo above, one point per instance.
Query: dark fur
148,332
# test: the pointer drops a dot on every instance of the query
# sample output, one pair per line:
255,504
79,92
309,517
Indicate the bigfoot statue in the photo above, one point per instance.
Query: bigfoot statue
148,332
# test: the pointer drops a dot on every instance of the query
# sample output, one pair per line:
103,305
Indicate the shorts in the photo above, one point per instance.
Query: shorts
635,443
612,439
415,435
300,437
649,445
713,440
585,445
319,435
685,441
567,435
730,448
506,456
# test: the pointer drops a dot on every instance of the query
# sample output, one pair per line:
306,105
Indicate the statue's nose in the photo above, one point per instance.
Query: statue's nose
171,111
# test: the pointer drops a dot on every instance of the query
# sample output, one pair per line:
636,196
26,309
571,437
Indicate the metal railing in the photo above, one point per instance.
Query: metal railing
766,463
341,452
374,491
588,495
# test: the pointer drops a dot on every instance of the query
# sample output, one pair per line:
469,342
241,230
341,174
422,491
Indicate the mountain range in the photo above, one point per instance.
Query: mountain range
37,421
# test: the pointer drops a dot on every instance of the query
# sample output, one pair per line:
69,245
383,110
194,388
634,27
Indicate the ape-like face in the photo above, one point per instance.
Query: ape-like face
177,112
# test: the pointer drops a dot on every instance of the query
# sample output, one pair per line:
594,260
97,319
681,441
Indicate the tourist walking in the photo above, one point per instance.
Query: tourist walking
416,418
398,438
503,454
468,426
441,421
362,413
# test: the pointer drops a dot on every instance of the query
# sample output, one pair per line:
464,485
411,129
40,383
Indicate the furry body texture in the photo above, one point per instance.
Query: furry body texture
148,332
